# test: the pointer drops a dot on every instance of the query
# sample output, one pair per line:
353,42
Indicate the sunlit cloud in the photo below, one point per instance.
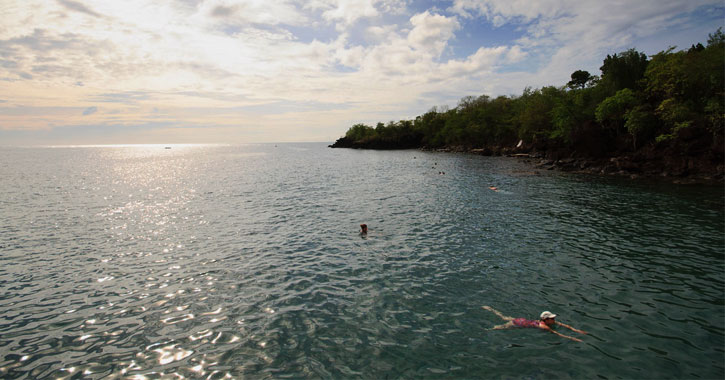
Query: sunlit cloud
346,12
259,70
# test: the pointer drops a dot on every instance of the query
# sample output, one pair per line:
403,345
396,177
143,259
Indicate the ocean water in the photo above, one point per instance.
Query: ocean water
211,261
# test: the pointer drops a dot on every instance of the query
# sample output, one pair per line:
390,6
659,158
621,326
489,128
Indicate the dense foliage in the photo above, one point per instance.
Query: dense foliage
666,99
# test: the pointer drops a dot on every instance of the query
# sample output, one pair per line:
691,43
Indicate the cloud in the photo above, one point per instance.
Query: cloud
90,111
346,12
78,7
130,97
42,41
223,11
400,52
483,60
561,36
251,12
431,32
508,10
49,55
232,63
602,23
379,33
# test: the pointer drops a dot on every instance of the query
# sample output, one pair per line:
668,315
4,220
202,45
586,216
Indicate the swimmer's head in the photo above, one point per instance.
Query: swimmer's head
548,317
364,228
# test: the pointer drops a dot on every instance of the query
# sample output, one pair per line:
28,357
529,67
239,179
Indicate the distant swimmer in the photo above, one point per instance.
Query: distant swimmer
363,229
494,188
546,322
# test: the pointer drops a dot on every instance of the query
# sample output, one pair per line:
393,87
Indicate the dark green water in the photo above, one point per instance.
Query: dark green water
245,262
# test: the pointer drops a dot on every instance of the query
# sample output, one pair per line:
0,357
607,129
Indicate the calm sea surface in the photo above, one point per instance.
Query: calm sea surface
245,262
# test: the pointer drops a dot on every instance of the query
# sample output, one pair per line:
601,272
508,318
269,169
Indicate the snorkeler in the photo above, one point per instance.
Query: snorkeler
545,322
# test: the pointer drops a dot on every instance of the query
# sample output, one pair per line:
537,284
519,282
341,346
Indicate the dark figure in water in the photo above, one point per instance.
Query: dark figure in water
546,322
363,229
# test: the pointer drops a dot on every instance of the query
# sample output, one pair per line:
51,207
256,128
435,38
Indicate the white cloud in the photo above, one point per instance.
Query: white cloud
515,54
484,61
431,32
346,12
510,9
564,35
352,57
604,23
203,62
377,34
401,54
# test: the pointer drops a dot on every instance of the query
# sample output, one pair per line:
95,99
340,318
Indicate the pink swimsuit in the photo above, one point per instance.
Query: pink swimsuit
523,322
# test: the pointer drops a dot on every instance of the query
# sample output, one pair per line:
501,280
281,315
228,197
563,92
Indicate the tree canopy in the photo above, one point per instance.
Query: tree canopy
579,79
638,100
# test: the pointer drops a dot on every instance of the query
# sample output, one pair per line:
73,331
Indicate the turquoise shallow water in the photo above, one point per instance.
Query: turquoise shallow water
245,262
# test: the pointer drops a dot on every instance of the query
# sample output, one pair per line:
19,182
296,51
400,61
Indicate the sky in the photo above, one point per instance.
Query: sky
250,71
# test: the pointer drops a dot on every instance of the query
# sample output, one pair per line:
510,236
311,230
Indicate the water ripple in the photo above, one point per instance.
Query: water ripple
226,262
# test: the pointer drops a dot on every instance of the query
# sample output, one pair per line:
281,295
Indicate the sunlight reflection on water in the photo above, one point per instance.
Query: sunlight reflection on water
223,261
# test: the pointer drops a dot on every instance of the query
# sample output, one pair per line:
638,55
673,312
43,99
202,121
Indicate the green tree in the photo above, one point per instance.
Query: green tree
651,100
686,88
640,122
431,124
717,38
611,112
534,109
359,132
579,79
623,70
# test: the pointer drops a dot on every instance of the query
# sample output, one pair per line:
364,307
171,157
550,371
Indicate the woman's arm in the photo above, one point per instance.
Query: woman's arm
545,327
565,336
570,328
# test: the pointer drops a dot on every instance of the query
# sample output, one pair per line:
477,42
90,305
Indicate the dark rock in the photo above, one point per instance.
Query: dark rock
691,158
342,142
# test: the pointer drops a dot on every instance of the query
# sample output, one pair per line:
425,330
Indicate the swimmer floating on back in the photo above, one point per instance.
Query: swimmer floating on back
545,322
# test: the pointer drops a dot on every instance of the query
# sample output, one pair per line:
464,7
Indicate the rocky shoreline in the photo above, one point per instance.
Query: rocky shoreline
704,167
675,169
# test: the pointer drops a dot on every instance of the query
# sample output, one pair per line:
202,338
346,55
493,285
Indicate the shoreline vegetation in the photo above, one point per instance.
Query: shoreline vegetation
658,116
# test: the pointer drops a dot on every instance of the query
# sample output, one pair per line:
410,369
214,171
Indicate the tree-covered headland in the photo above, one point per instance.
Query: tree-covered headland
661,113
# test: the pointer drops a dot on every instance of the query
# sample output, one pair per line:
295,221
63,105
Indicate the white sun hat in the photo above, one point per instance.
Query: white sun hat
547,314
